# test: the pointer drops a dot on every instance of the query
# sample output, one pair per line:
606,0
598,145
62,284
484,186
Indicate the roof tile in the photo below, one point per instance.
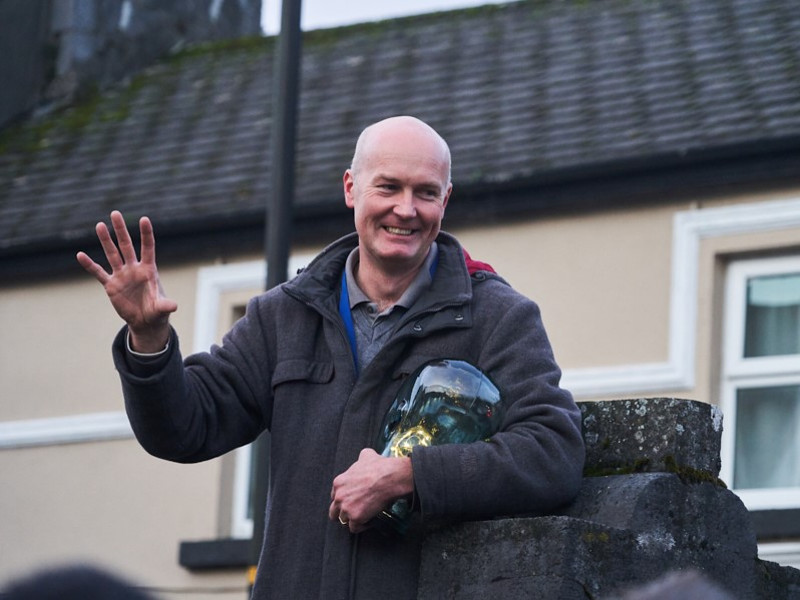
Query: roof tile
518,89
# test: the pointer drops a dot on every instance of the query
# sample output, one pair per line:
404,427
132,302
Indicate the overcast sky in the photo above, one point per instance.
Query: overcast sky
317,14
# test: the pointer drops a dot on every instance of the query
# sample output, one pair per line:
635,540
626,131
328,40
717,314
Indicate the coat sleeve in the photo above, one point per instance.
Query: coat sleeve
535,462
200,408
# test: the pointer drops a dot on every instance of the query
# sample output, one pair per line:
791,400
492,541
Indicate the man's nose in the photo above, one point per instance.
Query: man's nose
404,207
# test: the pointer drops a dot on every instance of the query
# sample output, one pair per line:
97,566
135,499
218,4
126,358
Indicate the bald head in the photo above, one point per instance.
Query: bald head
389,131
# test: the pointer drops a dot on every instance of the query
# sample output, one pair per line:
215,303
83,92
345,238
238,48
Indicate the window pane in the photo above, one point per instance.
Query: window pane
772,325
767,437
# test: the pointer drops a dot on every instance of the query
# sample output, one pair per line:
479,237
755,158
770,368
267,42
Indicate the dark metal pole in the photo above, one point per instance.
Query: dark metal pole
279,211
286,84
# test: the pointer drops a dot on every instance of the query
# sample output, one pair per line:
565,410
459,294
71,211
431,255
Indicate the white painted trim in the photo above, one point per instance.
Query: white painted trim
783,553
90,427
623,379
736,365
689,229
768,499
212,282
241,523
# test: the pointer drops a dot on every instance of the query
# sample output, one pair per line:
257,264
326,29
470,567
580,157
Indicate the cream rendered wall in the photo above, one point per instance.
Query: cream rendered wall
601,280
55,359
106,502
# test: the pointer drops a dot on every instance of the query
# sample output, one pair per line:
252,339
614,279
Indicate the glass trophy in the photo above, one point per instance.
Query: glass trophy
443,402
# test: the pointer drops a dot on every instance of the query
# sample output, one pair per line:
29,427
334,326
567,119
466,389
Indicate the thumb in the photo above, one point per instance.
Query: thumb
166,305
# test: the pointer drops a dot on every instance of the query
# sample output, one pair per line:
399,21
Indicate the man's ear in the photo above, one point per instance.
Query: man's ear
347,183
447,195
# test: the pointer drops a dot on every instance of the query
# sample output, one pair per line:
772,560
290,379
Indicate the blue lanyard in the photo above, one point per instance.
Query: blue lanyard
347,315
347,318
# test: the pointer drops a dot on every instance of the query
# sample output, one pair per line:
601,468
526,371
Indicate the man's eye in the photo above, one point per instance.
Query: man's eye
430,194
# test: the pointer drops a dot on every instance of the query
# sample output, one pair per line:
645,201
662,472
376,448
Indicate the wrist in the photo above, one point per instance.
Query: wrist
151,342
403,476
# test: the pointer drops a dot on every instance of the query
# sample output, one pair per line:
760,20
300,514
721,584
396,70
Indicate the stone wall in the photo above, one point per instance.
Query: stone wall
651,504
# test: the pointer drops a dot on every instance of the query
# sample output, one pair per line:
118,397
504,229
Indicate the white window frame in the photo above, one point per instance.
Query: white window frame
739,372
212,283
690,228
783,553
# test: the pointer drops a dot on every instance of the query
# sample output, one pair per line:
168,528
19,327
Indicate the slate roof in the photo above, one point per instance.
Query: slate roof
519,90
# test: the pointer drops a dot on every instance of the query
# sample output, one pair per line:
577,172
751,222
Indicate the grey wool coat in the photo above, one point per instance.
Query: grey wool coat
287,367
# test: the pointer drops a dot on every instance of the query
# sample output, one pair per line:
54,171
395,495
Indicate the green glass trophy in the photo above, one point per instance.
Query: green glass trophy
443,402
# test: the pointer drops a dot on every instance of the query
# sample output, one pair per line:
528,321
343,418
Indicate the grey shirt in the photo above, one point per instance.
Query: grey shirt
373,327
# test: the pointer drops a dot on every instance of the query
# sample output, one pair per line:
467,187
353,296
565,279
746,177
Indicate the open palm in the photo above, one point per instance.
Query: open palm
133,286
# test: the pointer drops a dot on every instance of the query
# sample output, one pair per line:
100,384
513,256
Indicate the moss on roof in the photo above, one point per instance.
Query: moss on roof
257,44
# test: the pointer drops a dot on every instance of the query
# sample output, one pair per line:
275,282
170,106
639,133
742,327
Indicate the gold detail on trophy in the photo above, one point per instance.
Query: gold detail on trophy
404,442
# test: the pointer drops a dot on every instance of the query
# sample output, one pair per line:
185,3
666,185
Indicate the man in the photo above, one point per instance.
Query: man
318,361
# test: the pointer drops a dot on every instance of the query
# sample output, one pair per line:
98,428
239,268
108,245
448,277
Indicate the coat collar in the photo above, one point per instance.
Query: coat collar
318,284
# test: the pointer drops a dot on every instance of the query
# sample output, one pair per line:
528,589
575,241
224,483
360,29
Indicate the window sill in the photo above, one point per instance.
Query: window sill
205,555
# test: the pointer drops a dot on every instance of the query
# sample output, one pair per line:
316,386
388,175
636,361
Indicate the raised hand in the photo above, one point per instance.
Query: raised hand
133,285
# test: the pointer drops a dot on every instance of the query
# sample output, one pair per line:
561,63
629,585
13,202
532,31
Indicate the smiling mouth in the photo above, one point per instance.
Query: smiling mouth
399,231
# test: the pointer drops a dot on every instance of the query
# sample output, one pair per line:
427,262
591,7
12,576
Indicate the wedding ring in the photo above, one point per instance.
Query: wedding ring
342,521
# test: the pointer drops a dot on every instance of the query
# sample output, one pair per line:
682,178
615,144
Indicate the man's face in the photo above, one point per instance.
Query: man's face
398,192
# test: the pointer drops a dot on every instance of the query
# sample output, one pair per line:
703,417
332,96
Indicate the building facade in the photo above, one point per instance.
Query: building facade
633,167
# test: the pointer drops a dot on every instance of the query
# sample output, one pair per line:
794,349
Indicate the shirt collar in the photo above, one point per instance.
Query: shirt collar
421,282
